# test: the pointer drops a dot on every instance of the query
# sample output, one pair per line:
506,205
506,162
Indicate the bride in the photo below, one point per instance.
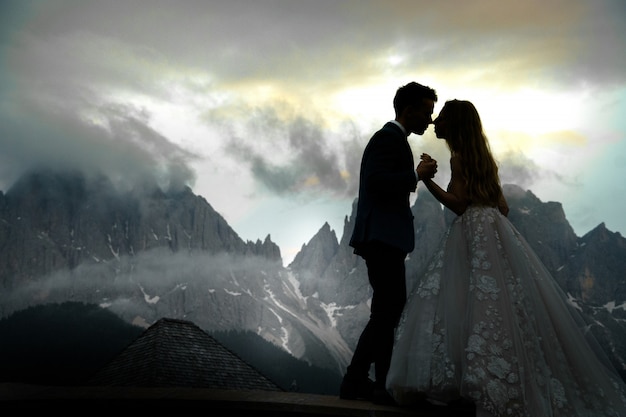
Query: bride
487,323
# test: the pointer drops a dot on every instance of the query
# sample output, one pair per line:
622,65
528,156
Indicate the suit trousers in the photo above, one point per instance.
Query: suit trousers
387,277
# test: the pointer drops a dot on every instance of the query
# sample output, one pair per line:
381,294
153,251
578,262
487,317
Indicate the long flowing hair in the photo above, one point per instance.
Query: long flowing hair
467,140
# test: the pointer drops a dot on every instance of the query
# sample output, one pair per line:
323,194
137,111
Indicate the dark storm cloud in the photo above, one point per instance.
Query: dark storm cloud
314,156
118,84
298,157
121,145
315,41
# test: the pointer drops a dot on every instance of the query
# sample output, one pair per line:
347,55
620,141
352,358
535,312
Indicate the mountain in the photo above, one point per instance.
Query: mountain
591,269
53,221
145,254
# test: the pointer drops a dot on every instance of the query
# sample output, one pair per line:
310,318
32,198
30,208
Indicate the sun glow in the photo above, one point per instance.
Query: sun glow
532,112
368,105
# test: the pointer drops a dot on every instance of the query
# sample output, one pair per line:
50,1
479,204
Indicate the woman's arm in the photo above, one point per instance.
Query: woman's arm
455,198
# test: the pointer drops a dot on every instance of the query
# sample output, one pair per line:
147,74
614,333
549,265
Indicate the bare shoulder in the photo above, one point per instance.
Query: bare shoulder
455,162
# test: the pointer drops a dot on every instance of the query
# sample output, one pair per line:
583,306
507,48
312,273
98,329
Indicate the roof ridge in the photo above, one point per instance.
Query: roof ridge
175,352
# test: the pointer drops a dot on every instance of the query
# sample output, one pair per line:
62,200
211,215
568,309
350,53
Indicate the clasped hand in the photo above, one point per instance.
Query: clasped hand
427,167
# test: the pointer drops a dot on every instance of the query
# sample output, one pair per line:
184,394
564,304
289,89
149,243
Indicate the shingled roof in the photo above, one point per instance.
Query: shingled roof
177,353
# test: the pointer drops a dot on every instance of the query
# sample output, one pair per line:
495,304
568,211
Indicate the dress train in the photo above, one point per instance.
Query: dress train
487,322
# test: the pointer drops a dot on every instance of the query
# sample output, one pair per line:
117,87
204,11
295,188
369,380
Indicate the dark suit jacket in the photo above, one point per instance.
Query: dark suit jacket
387,178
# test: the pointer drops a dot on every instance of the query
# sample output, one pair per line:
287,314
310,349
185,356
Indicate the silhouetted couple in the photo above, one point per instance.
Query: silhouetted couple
486,325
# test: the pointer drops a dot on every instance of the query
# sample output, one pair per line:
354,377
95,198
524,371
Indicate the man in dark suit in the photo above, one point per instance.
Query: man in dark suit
383,235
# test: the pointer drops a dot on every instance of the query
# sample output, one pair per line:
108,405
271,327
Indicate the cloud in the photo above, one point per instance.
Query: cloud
284,95
152,273
294,156
565,43
112,140
516,168
322,42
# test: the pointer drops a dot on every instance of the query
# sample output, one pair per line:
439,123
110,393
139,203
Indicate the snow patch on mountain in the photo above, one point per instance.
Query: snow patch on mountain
610,306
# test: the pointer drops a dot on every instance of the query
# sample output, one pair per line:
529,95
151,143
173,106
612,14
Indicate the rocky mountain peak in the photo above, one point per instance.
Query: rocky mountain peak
148,253
599,254
316,255
601,233
58,220
314,258
266,249
543,224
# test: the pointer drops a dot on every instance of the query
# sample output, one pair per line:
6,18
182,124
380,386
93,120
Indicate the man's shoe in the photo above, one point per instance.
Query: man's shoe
356,389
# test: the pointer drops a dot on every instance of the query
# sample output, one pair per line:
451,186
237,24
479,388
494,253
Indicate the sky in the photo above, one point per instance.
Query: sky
263,107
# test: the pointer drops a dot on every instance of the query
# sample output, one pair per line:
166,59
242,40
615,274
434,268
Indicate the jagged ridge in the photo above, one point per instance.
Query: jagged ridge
147,254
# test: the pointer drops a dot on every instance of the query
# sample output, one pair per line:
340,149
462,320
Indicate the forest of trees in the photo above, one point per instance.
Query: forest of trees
60,344
65,344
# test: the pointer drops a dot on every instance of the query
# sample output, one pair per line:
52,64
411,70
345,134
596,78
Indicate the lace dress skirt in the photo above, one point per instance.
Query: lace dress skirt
487,322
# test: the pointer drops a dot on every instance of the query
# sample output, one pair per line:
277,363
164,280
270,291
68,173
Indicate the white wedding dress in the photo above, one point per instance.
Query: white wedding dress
487,322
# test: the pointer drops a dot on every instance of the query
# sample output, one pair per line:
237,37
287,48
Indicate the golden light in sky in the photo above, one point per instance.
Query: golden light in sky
265,107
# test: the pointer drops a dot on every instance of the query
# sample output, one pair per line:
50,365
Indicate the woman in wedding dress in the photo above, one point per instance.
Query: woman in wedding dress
487,323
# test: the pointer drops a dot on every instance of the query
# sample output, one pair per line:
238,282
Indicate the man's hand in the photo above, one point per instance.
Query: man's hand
427,167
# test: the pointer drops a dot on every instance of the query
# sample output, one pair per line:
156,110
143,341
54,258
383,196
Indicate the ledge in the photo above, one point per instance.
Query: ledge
23,399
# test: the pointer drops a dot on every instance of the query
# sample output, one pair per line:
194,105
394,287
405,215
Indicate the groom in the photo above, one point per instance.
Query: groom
384,235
